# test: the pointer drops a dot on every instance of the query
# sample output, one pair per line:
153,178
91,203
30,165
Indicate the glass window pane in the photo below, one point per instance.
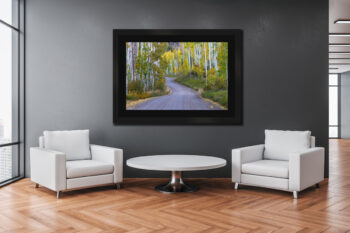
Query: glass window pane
8,85
9,11
333,79
9,90
8,162
333,132
333,105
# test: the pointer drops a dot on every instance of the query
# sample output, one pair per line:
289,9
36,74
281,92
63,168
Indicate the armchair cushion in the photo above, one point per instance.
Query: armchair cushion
81,168
75,144
272,168
280,144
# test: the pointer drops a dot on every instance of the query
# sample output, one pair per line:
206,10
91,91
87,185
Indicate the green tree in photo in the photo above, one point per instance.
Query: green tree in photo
222,59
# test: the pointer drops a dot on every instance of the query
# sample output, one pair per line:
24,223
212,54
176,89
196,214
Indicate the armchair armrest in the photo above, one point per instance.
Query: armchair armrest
244,155
306,168
48,168
110,155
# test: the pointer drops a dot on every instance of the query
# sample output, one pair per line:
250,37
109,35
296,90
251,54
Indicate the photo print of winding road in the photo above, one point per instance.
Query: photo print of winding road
176,75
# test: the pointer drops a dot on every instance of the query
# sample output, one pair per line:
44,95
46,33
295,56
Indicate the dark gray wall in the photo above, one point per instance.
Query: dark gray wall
69,71
345,105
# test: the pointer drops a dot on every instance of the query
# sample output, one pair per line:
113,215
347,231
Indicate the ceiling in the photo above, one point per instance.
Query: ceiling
339,9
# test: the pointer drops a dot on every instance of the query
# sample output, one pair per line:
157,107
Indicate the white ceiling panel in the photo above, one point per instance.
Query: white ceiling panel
339,9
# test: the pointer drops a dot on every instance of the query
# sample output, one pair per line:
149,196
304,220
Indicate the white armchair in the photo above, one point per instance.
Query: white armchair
287,161
65,160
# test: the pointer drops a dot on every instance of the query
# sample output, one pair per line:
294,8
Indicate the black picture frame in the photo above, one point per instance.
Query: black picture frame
232,116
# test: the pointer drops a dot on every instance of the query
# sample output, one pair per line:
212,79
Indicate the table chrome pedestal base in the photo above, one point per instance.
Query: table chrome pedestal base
176,185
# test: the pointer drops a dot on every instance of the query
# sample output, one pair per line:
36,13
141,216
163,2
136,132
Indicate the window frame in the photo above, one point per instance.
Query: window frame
19,100
338,103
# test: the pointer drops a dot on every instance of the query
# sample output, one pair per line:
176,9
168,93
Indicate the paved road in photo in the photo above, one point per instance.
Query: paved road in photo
180,98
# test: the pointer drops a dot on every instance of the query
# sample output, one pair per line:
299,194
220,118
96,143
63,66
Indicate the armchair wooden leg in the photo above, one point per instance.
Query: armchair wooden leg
295,194
36,185
317,185
118,186
58,194
236,186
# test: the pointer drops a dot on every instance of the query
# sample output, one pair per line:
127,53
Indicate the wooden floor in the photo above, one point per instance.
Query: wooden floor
216,207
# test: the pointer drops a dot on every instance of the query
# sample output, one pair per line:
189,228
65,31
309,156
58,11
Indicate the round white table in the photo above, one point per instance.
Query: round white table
176,164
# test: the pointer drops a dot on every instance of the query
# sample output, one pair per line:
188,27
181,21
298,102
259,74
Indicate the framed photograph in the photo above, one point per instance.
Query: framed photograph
177,77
